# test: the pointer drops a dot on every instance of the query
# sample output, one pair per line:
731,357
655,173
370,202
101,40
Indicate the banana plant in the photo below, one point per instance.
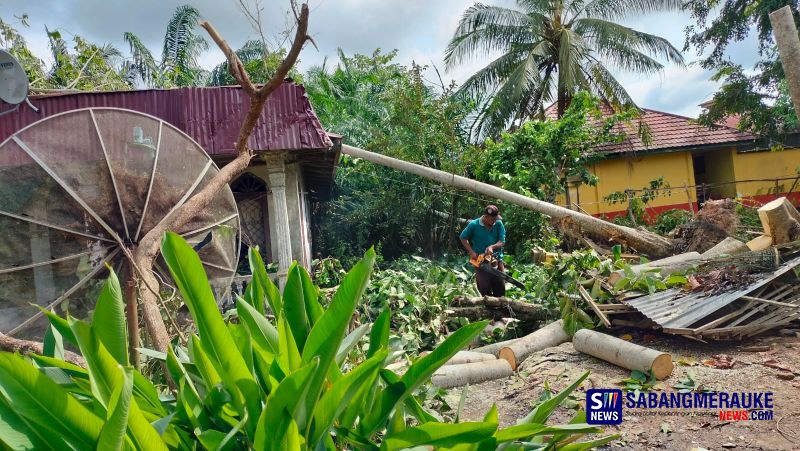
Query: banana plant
256,382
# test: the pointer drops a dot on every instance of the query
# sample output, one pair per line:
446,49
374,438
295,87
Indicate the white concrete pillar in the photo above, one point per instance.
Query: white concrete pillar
281,241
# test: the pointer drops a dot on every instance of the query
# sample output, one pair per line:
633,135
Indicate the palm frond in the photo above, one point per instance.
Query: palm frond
182,46
619,9
605,86
143,65
485,28
609,37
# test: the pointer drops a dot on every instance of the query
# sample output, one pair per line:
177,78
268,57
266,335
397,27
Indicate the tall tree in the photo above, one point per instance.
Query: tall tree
551,49
757,95
178,64
87,67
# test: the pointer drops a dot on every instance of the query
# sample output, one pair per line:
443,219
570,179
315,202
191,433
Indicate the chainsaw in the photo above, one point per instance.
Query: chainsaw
488,263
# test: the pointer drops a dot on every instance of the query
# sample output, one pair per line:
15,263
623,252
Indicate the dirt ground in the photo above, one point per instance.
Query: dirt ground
561,365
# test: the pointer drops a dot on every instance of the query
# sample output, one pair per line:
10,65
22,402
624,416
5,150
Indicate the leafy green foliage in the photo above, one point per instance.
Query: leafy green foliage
236,387
758,97
259,62
670,220
548,51
637,200
181,49
639,381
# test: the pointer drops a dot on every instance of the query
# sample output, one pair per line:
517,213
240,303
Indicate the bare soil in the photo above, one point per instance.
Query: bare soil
561,365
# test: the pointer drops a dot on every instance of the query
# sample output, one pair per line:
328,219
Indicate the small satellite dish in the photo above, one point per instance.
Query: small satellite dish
13,80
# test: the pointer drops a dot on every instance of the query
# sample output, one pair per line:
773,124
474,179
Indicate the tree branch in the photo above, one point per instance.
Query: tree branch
12,344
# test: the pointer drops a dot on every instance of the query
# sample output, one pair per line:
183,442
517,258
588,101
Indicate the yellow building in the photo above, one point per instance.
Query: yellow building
694,162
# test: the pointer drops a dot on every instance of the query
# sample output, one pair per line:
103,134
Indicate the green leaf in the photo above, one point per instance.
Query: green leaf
310,297
43,403
379,335
335,400
53,345
263,333
18,434
542,412
60,324
525,431
282,405
112,436
326,335
592,444
267,286
294,306
189,276
419,372
108,322
349,342
440,435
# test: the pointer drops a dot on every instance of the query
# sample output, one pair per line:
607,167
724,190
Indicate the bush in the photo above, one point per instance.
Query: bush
670,220
251,384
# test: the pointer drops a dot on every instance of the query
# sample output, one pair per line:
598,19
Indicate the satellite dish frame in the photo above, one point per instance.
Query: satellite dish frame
25,99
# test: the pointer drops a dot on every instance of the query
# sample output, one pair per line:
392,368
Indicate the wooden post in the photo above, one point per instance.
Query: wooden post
689,198
132,313
789,49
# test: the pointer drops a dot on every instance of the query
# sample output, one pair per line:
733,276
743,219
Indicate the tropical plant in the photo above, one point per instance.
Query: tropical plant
259,62
88,67
757,97
12,41
549,50
178,64
251,384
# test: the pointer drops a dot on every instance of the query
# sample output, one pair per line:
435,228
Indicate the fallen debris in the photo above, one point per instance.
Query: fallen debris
665,266
494,348
450,376
469,357
551,335
728,246
622,353
714,222
489,307
780,220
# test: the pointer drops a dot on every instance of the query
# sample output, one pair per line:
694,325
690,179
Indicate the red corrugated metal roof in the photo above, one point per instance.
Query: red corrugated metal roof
668,131
211,115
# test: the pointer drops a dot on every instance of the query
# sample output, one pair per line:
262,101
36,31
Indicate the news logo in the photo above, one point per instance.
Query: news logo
604,406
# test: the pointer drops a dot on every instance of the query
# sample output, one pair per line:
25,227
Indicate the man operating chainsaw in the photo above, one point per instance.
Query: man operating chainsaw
484,238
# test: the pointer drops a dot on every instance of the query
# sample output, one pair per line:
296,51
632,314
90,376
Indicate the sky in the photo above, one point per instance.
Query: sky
418,29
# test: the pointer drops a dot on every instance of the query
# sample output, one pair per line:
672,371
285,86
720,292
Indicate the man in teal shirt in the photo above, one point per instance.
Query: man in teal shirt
486,235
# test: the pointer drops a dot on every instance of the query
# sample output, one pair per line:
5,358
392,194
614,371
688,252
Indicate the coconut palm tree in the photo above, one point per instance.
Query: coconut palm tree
178,64
550,49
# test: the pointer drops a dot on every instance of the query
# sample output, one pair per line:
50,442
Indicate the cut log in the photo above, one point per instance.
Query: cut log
623,353
471,373
469,357
665,266
780,220
645,242
494,348
488,307
551,335
728,246
785,32
760,243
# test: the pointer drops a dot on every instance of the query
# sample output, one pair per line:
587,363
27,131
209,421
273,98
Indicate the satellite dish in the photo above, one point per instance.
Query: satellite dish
13,80
78,186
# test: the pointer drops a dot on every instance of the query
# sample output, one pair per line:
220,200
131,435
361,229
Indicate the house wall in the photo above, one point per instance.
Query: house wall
619,174
298,214
749,167
718,174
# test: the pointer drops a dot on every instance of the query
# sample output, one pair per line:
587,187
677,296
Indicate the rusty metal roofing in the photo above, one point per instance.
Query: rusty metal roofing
210,115
675,309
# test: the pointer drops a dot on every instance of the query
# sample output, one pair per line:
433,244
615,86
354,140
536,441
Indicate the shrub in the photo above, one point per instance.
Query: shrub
671,219
251,384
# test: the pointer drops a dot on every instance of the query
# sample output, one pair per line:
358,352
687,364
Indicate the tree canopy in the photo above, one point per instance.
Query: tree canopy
549,50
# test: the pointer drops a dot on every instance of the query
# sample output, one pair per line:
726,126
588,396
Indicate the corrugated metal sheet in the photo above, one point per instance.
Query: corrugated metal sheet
674,309
211,116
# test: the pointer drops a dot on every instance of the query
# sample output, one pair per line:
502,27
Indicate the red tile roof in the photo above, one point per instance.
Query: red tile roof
668,132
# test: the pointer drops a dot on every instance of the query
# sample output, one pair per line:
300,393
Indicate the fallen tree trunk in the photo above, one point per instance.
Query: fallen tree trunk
786,37
728,246
489,307
470,373
647,243
494,348
12,344
462,357
780,220
665,266
551,335
623,353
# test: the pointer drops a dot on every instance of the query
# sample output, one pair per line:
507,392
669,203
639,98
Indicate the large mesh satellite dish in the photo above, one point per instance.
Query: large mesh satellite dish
77,186
13,80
